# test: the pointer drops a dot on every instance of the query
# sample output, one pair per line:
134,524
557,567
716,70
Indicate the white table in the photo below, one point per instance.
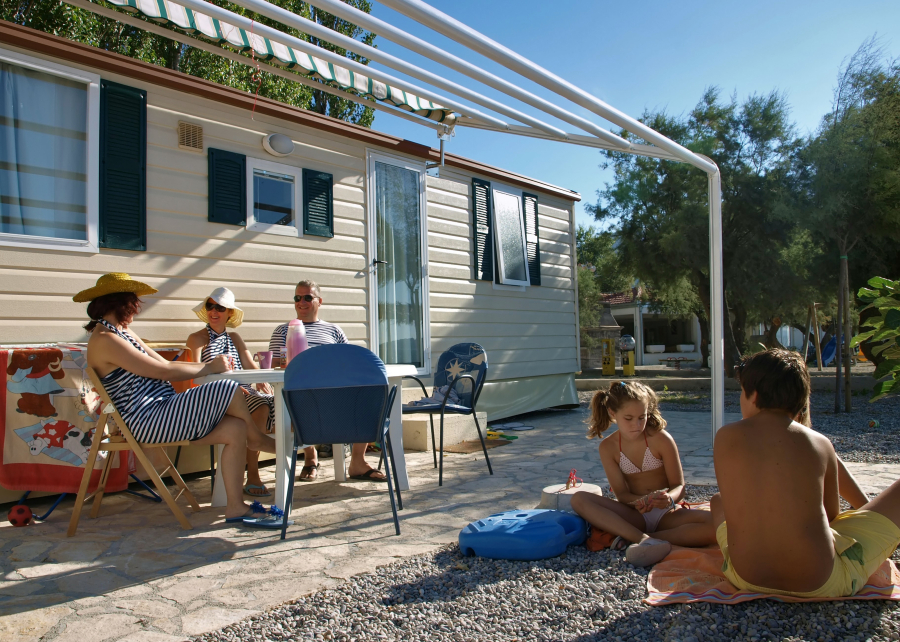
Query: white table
284,436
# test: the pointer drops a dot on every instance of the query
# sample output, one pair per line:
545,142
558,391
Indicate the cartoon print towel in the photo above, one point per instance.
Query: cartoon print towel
48,414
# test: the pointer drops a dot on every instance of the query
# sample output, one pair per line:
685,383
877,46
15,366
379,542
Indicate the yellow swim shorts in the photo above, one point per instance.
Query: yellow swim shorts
863,539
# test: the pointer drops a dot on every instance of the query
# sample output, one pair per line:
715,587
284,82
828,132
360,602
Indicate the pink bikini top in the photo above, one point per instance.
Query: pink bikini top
650,462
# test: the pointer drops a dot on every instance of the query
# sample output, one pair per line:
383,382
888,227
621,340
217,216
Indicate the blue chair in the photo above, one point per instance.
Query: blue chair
338,394
464,368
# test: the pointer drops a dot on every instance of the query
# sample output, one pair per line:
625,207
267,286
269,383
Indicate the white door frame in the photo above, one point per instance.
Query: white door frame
371,158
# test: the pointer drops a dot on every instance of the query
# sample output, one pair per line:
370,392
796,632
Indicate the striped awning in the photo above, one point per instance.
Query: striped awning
218,31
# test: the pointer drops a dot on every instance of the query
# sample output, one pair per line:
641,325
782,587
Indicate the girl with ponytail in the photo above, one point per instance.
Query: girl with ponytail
646,491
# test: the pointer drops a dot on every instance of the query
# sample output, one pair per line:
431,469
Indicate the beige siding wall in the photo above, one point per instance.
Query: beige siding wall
530,333
187,256
526,333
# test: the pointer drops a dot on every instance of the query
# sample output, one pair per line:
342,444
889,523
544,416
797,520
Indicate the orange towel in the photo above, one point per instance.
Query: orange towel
695,575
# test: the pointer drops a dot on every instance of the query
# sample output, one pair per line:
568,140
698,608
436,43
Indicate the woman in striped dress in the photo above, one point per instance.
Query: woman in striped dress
137,380
219,312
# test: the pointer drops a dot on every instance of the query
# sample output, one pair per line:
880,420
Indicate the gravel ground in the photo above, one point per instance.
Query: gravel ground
853,438
579,596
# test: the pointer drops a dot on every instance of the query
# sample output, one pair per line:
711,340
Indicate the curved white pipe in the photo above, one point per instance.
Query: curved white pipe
463,34
419,46
315,29
290,41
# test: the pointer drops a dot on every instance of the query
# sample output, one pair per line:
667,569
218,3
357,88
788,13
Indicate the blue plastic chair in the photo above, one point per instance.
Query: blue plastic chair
464,368
338,394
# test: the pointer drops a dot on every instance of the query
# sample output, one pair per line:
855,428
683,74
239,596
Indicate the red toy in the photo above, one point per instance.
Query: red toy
20,515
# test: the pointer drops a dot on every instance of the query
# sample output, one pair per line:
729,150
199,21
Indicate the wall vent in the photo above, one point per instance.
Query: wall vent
190,136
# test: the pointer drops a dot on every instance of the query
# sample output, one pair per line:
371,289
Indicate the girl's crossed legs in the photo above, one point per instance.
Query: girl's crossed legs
680,526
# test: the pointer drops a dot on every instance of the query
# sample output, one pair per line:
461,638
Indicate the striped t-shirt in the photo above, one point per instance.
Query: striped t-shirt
317,333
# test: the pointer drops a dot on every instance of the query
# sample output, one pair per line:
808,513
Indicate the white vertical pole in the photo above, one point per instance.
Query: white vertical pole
716,304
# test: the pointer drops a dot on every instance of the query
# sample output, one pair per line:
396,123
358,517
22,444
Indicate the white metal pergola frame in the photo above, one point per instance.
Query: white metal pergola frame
659,146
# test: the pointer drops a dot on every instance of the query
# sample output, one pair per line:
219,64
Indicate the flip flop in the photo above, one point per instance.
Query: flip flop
269,521
367,476
250,487
274,519
311,472
255,509
518,427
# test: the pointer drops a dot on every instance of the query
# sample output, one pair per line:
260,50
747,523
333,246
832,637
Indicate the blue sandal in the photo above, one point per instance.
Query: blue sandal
255,508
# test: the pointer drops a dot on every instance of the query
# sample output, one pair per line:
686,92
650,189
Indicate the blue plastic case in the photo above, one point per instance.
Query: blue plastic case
523,535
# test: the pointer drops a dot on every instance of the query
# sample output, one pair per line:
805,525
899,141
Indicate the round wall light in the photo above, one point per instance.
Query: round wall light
278,144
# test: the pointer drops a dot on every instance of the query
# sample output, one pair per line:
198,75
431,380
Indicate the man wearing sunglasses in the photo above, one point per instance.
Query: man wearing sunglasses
307,299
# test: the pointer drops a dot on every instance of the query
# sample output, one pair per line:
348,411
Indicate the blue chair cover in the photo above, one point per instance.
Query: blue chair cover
463,358
336,394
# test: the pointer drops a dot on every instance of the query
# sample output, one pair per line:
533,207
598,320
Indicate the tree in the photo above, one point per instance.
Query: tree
599,273
852,173
661,213
52,16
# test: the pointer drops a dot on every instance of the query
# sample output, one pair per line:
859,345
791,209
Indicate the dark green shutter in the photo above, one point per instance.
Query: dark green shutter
481,226
318,203
227,200
123,167
532,237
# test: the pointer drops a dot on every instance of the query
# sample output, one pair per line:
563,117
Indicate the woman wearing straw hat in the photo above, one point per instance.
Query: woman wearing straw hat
137,380
219,312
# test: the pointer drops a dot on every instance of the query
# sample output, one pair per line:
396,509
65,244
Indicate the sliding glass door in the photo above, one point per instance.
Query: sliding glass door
400,288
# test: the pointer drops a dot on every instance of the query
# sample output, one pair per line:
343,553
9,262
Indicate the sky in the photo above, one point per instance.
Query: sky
636,56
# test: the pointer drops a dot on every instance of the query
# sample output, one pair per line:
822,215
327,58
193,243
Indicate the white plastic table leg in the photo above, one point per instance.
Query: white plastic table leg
340,463
284,445
396,432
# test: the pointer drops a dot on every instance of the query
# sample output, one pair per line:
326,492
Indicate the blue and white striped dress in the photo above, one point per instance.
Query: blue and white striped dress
155,413
222,344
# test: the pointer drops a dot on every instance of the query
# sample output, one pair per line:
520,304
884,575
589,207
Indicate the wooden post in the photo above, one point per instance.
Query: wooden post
848,331
838,342
809,313
815,311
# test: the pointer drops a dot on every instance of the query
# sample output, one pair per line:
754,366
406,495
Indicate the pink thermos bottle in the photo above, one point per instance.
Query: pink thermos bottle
295,342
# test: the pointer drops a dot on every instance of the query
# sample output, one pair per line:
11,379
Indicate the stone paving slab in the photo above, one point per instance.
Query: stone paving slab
134,575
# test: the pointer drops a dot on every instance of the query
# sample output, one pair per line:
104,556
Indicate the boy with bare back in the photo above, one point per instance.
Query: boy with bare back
777,514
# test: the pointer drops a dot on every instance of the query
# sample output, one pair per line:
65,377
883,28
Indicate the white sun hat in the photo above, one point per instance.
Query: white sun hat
224,297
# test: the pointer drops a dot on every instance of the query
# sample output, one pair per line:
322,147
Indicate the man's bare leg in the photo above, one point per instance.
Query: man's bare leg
359,465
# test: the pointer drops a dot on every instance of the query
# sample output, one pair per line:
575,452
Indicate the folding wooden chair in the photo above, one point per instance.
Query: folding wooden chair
119,439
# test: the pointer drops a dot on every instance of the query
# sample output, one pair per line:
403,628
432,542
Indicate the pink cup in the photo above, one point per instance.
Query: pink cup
265,359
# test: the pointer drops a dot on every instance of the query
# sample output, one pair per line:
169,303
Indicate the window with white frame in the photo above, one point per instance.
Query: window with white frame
273,197
49,142
509,237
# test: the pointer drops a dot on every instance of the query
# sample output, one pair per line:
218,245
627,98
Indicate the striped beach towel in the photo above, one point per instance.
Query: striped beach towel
695,575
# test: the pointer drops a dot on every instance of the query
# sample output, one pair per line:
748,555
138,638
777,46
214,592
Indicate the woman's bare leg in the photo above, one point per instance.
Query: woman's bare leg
260,419
232,432
256,440
609,515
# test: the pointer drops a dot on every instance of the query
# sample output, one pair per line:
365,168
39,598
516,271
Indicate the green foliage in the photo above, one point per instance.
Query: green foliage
883,297
660,211
597,250
52,16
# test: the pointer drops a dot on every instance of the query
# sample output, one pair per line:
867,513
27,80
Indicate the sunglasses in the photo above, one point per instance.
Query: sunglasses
210,306
309,298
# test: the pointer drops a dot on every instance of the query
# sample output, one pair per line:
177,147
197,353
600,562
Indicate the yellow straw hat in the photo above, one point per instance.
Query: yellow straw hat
225,298
112,283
